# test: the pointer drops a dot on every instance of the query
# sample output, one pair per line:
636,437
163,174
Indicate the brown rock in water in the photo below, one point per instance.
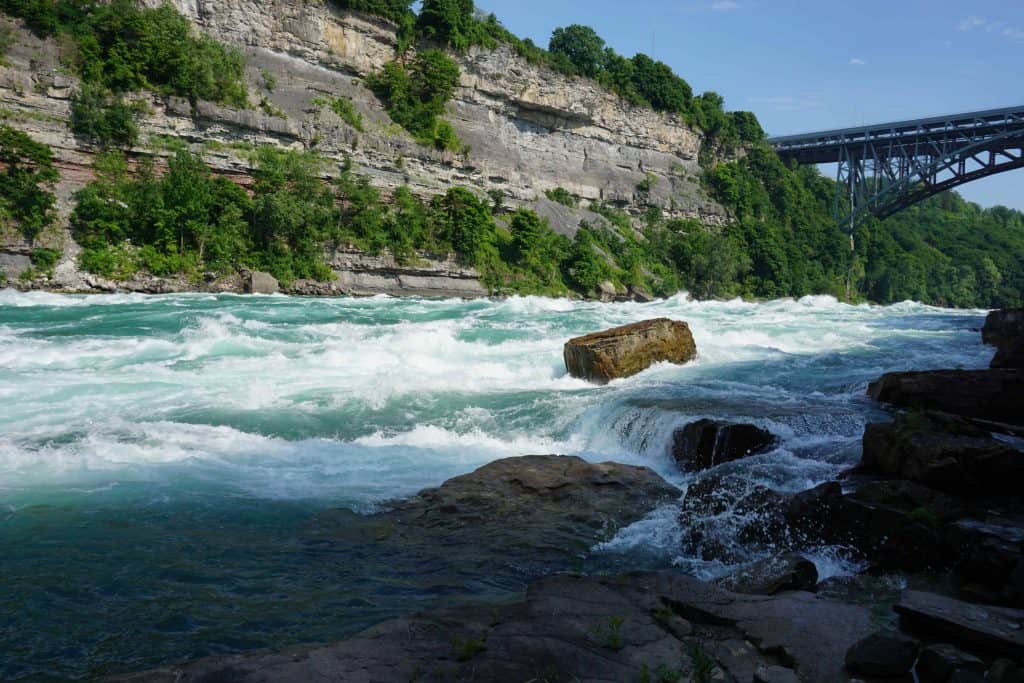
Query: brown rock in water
627,350
703,444
987,394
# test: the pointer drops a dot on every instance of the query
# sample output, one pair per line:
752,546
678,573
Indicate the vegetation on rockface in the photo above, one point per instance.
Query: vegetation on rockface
26,183
416,94
574,50
117,47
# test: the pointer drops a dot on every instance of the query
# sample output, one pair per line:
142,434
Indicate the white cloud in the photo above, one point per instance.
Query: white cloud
976,23
724,5
857,62
971,23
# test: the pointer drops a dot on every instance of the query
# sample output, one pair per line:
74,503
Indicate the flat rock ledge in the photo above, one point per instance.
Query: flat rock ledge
627,350
638,626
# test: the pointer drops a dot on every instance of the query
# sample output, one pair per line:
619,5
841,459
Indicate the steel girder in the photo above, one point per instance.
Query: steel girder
883,169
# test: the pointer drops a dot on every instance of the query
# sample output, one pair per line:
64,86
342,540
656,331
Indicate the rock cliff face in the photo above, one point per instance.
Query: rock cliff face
526,128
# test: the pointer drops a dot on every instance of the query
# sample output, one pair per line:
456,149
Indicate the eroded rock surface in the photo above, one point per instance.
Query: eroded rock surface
576,629
629,349
987,394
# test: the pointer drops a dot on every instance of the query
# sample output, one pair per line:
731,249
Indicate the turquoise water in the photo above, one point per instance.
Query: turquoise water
161,458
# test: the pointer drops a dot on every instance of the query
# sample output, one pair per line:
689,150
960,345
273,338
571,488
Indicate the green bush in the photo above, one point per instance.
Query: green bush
562,196
26,182
113,261
122,47
416,96
105,119
395,10
347,112
45,259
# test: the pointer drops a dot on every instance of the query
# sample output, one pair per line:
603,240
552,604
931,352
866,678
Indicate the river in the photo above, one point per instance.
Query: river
161,456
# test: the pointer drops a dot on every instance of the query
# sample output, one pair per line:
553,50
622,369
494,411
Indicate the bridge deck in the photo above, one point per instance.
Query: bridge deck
825,146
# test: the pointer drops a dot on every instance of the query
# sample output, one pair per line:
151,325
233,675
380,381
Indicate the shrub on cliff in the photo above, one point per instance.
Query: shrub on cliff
121,47
416,96
394,10
104,118
26,182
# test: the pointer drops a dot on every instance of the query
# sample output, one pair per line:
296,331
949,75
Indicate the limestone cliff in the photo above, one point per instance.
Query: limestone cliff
526,129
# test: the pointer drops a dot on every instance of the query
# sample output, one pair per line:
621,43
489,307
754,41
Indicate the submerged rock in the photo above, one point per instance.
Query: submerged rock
627,350
535,512
703,444
789,572
728,517
987,394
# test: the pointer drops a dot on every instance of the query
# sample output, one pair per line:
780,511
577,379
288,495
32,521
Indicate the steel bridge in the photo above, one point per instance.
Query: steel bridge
887,167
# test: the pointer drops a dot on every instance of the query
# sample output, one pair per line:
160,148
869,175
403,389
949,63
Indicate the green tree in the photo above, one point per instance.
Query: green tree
465,223
448,22
581,46
26,182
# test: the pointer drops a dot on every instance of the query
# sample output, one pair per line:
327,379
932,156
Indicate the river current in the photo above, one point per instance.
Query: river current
161,456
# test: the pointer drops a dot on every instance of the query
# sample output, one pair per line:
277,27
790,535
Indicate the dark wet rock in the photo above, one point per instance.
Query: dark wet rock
257,282
627,350
883,654
1010,355
536,511
999,630
703,444
987,394
965,462
1005,670
726,517
990,558
574,628
772,575
1003,326
938,662
896,524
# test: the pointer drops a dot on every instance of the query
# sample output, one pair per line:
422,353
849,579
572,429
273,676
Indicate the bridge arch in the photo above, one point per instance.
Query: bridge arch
884,168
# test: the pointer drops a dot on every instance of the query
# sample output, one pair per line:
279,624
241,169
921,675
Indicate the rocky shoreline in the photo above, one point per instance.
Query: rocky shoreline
935,503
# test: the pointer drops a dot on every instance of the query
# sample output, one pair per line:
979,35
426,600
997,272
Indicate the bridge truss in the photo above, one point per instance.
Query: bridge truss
884,168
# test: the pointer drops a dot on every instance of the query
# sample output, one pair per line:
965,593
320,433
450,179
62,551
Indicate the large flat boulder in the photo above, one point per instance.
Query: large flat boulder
704,444
987,394
624,351
999,630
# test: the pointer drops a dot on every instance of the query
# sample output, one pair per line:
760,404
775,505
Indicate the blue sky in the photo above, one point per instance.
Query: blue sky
804,65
